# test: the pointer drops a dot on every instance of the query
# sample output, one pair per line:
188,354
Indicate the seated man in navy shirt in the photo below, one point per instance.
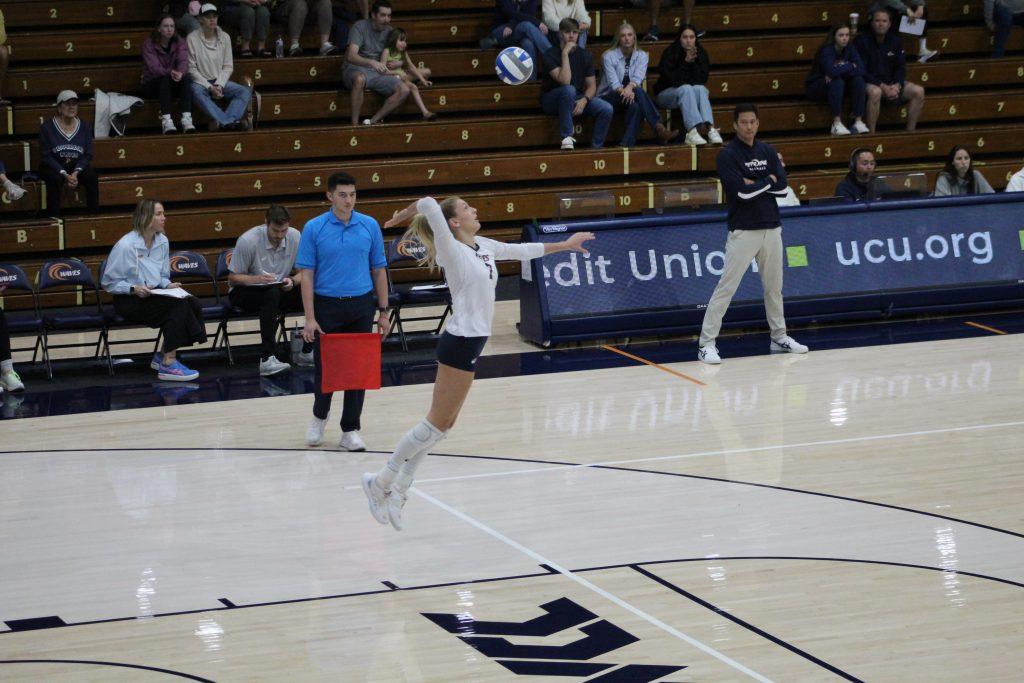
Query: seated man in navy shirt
856,186
570,86
344,282
885,66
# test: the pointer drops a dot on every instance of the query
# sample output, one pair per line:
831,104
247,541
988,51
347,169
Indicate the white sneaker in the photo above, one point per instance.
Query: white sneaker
351,441
568,142
166,125
926,55
714,137
272,366
787,345
860,127
395,503
376,497
304,360
11,381
709,354
367,122
14,192
315,431
694,138
839,129
327,48
186,123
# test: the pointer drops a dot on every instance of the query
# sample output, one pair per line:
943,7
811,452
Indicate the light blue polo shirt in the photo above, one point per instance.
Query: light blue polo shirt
341,254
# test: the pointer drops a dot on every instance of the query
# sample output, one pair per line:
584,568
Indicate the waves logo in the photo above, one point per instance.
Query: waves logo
63,271
7,278
411,248
183,264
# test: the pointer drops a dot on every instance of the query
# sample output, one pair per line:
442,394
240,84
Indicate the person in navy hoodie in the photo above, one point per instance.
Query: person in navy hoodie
65,149
752,177
885,71
856,186
516,23
837,71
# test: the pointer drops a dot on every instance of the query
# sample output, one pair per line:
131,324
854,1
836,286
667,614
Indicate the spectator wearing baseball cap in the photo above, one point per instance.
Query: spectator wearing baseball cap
65,149
210,65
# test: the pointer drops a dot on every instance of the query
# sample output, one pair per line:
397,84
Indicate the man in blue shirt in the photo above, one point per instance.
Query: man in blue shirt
344,283
752,176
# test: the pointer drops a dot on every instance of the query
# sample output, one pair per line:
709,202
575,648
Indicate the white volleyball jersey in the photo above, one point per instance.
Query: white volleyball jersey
472,273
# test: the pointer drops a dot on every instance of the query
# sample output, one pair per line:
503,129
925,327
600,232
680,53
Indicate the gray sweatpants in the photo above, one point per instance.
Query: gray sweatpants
741,248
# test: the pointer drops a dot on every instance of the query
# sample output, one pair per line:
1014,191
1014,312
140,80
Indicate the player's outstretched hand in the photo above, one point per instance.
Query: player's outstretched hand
576,240
402,216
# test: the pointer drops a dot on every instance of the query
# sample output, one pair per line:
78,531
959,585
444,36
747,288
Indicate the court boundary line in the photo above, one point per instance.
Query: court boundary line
744,623
657,366
516,577
611,597
556,465
123,665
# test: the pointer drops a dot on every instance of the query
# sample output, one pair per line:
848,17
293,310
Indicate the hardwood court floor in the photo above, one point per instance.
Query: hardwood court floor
852,514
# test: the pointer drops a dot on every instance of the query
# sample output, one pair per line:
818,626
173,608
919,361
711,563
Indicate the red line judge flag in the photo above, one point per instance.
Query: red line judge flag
349,361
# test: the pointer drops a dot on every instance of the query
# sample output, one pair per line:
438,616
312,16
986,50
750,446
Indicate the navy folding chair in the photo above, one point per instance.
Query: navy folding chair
14,279
405,250
62,275
191,266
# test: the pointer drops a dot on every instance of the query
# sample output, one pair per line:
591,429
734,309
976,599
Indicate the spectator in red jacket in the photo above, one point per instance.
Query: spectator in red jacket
165,74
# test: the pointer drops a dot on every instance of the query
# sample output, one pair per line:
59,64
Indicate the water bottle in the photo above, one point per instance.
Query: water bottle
279,47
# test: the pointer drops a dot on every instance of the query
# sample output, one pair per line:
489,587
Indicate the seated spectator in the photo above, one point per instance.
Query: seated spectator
252,19
516,23
140,263
9,378
181,10
65,151
789,198
837,70
682,84
959,177
569,87
553,11
655,8
857,183
344,17
14,192
5,56
914,10
263,280
210,65
396,58
625,68
1016,183
295,13
885,71
165,74
1000,16
364,67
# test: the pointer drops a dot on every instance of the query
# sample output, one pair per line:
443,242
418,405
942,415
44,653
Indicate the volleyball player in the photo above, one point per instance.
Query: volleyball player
448,232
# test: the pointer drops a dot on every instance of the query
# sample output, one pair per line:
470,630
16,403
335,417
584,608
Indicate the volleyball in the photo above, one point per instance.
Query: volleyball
514,65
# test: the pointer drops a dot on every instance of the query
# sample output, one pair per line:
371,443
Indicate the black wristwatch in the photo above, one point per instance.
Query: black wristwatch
382,309
131,290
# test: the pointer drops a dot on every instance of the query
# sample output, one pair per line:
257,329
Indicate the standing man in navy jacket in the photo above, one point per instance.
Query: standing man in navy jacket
752,176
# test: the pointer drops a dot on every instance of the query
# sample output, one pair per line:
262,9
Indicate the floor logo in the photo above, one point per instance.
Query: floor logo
572,659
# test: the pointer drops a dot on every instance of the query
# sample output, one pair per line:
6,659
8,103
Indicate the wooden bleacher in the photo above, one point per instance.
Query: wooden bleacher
490,143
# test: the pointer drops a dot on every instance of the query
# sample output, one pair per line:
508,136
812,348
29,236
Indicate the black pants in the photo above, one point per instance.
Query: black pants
270,303
87,179
341,315
5,338
180,320
167,90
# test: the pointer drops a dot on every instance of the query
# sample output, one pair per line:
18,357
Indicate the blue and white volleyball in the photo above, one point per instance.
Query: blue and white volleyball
514,65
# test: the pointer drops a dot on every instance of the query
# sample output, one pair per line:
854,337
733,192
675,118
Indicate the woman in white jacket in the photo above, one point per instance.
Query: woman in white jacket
447,232
554,11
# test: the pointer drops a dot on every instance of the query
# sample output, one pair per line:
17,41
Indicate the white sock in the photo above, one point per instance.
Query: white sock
295,43
418,439
405,475
923,45
6,365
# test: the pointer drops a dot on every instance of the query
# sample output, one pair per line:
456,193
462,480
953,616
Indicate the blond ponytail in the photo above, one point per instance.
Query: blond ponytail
419,232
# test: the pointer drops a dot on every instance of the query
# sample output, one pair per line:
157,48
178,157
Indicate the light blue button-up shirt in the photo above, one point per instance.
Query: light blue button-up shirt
615,70
131,264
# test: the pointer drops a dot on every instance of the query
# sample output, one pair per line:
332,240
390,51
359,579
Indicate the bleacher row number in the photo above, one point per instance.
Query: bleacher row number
258,74
442,100
497,97
408,138
375,178
510,208
543,167
138,192
800,49
474,62
333,106
599,164
453,30
238,147
801,117
353,141
625,200
803,190
296,145
924,77
1020,71
218,226
520,131
725,86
